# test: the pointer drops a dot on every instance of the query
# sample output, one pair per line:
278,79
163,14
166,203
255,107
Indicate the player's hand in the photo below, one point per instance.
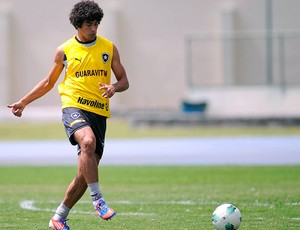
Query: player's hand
17,108
109,90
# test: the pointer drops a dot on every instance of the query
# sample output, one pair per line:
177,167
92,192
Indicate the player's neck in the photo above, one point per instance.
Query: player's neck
85,42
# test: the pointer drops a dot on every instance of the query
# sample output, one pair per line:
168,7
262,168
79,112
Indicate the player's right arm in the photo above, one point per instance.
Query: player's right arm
43,87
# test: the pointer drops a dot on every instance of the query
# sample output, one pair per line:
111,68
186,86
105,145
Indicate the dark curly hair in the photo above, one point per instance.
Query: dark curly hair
85,11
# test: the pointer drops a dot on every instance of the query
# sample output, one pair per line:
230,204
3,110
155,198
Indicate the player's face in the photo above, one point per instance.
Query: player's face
88,31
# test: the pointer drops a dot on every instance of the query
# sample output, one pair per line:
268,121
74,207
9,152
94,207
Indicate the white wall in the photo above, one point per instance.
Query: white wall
150,36
4,56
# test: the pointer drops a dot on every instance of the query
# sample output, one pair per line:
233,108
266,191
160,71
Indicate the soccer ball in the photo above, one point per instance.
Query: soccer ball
226,217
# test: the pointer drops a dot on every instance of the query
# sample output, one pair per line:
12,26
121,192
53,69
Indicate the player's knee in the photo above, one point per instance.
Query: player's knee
88,145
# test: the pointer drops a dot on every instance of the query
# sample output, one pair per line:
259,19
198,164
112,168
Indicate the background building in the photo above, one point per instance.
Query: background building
238,56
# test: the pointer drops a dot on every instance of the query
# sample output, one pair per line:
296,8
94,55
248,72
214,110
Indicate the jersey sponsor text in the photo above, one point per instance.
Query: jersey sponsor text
92,103
91,73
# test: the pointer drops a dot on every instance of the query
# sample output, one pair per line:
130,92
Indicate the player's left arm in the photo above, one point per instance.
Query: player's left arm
122,83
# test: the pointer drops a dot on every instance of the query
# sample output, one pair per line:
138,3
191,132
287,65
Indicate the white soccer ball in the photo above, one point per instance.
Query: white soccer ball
226,217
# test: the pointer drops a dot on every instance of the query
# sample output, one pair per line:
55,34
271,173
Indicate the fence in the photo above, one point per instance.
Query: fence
243,58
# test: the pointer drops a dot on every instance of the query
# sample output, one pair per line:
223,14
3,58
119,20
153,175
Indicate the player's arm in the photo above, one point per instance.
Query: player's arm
43,87
122,83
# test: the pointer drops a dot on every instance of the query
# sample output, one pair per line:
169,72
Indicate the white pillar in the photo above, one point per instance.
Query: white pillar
4,57
228,17
110,25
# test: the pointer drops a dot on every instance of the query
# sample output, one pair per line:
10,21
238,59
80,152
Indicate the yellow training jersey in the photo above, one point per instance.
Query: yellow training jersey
86,66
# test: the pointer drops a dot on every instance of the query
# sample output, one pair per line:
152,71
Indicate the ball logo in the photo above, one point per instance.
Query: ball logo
75,115
105,57
226,216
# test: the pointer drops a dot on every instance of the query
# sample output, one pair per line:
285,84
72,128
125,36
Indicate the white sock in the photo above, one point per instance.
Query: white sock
61,212
95,191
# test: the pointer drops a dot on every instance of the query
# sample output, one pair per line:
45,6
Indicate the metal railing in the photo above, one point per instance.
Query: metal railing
243,58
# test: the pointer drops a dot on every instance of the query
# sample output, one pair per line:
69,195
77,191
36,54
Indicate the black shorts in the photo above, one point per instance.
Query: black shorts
74,119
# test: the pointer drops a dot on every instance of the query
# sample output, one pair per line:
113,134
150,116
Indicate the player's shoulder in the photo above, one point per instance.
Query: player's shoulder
59,53
104,40
69,42
60,49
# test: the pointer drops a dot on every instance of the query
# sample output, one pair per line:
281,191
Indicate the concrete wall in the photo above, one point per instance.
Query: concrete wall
150,36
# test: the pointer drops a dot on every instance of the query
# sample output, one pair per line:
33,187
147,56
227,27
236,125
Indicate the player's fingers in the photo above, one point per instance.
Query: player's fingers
17,112
104,95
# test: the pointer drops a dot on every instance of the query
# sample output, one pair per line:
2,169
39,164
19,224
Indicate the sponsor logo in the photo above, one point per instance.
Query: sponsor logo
93,103
91,73
105,57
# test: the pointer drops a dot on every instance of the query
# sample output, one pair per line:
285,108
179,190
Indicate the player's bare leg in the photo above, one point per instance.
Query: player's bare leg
87,163
87,176
76,189
74,192
88,167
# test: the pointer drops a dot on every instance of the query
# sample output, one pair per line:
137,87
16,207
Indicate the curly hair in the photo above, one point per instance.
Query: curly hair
85,11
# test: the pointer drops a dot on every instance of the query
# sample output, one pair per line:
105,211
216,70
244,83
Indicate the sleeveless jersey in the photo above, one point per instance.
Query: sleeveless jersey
86,67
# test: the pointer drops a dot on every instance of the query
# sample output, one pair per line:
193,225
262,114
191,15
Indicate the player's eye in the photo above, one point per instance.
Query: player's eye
92,23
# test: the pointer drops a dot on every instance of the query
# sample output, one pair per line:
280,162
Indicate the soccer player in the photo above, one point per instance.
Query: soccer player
85,91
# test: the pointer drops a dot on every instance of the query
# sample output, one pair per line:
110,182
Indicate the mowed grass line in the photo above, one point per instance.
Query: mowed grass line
156,197
118,128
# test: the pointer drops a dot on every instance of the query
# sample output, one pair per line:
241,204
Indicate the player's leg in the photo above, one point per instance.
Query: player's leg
88,167
87,173
87,163
74,192
76,189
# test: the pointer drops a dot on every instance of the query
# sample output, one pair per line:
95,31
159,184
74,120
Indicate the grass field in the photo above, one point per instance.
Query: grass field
119,129
155,197
152,197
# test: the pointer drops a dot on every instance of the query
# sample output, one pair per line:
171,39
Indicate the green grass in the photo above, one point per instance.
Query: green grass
156,197
120,129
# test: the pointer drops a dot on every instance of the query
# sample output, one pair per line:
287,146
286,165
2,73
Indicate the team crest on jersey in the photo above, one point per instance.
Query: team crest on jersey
75,115
105,57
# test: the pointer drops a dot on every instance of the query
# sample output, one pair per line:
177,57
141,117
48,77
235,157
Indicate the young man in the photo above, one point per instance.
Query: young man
85,91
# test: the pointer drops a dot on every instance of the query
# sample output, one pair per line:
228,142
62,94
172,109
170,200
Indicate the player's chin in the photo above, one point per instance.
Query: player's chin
92,36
